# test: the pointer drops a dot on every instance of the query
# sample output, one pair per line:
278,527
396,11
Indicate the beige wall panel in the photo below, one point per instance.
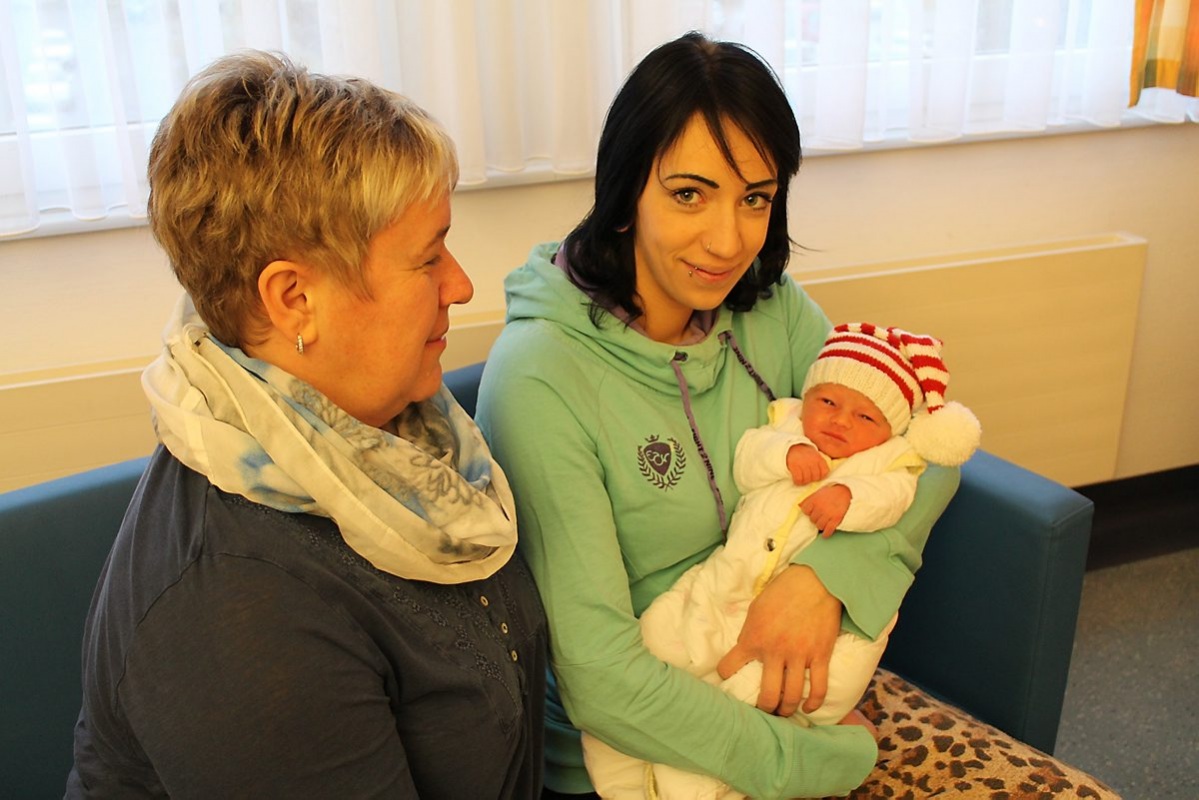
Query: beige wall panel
60,427
1038,340
73,305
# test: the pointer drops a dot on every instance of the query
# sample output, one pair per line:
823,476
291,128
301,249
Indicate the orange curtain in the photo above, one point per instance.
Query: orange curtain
1165,50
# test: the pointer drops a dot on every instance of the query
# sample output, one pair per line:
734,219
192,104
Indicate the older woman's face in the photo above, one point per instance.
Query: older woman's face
381,353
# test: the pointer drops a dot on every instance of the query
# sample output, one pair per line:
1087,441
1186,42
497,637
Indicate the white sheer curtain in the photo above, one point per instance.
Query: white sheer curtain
927,72
523,84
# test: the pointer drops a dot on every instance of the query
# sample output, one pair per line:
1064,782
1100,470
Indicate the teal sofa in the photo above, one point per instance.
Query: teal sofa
988,626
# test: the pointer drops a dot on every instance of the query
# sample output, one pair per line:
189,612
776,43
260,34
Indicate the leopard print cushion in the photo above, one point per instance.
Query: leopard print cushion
930,749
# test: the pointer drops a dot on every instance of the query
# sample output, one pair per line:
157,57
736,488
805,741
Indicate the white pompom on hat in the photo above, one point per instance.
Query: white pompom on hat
903,374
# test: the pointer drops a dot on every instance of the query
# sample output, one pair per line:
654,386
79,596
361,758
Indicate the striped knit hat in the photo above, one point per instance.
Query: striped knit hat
903,374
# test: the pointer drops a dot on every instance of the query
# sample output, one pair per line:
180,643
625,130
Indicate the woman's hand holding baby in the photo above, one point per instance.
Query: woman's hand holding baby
791,628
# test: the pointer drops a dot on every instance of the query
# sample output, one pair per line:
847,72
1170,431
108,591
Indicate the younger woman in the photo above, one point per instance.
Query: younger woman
636,354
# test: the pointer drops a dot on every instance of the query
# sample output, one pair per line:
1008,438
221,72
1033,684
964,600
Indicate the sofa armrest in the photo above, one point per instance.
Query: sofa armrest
989,623
463,383
54,538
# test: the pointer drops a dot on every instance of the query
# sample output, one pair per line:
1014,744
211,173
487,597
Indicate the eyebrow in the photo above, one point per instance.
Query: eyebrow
437,237
709,182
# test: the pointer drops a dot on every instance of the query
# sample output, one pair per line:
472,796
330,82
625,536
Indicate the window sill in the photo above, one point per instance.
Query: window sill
60,222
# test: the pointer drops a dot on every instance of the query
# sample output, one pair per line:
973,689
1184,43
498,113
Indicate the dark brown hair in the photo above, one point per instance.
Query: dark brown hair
723,82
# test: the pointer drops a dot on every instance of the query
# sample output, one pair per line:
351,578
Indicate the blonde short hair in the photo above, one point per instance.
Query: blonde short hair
260,160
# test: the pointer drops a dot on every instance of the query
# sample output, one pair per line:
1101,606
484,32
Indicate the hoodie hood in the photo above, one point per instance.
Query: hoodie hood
541,290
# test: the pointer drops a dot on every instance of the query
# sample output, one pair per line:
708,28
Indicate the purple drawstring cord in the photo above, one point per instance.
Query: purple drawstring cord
727,337
679,358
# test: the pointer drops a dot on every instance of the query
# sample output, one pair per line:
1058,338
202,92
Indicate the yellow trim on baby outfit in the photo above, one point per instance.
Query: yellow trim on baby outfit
783,532
908,460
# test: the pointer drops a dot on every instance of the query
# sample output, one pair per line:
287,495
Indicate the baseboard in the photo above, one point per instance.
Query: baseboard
1142,517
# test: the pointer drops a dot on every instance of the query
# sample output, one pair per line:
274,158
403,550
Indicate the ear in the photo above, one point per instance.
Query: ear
288,293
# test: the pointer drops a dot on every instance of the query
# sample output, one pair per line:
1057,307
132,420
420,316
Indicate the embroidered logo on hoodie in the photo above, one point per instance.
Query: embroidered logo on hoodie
661,462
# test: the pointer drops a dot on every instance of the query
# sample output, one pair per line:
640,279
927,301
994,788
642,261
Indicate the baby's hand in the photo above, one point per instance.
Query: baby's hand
806,464
826,507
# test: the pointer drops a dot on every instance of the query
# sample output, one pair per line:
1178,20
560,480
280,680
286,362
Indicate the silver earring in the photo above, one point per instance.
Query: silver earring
300,343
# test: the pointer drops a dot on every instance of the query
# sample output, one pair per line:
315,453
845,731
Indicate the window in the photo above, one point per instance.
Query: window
523,85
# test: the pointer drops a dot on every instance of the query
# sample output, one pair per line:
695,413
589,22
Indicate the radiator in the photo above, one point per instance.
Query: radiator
1038,340
66,421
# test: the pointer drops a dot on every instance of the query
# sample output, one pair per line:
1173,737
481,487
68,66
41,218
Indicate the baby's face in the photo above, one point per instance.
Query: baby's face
841,421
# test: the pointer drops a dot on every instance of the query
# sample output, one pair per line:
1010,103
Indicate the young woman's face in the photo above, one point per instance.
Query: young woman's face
699,226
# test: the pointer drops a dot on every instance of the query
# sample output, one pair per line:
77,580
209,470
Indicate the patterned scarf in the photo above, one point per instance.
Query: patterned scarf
429,504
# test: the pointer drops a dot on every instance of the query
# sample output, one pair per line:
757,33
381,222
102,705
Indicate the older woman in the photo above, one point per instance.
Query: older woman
314,591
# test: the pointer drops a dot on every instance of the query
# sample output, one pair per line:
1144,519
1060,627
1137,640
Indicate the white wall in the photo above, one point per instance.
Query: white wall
1146,181
96,302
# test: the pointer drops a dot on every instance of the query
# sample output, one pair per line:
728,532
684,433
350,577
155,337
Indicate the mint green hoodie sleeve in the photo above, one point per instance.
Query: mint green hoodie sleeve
537,409
871,574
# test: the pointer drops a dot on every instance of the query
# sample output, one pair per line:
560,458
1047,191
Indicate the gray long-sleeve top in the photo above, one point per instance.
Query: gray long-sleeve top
233,650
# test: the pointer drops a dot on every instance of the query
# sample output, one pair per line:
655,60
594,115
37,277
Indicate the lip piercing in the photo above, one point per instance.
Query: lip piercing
708,247
690,273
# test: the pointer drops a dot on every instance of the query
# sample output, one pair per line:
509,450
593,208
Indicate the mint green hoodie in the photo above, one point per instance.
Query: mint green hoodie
614,503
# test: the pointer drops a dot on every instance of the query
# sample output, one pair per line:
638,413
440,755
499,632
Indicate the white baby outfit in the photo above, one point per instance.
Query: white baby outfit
695,622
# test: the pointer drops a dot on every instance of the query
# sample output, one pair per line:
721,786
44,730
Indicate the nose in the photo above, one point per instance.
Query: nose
724,234
456,286
841,418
